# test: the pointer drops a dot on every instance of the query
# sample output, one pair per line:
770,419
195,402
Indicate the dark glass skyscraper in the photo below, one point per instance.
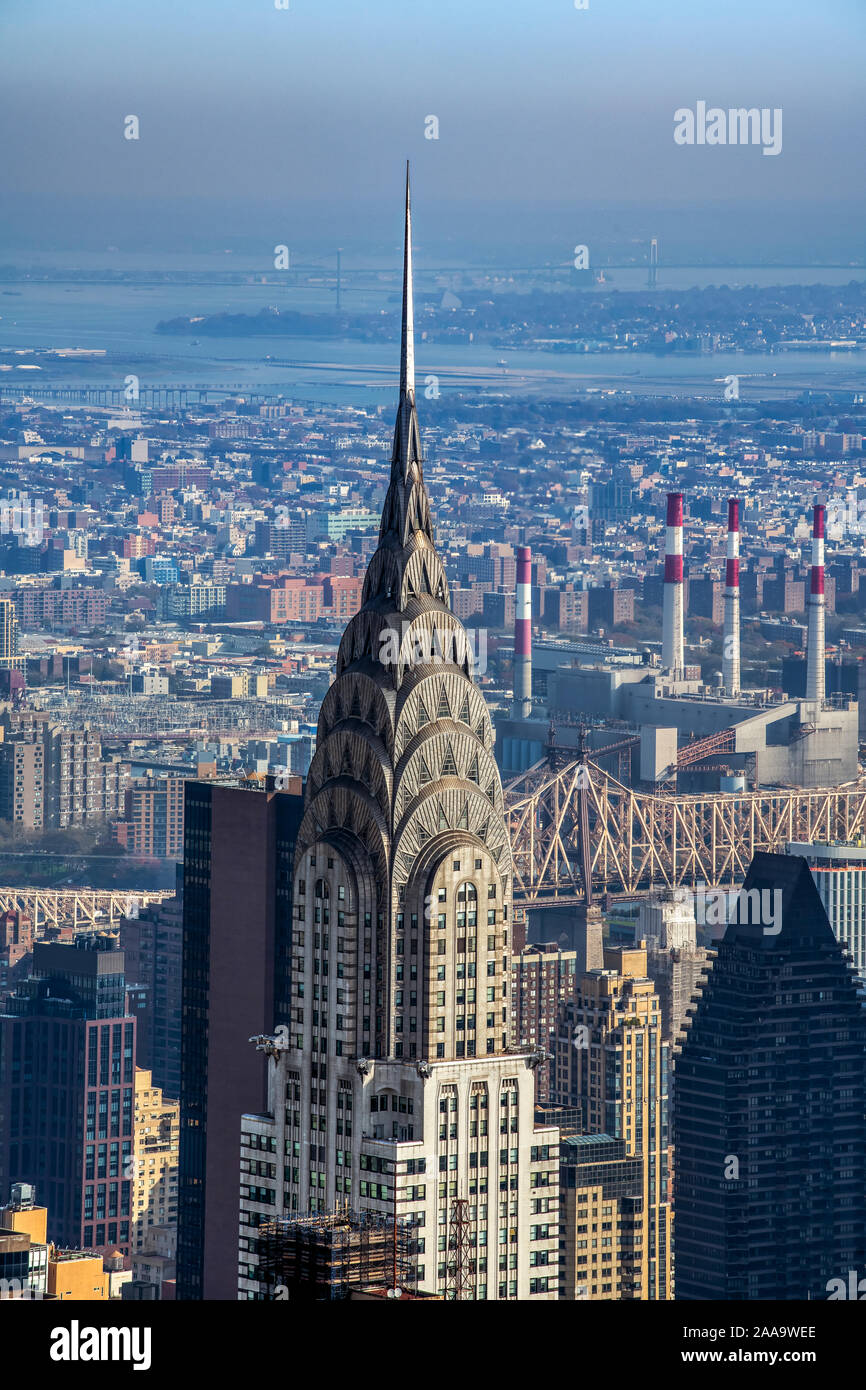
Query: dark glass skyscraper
153,949
769,1097
239,850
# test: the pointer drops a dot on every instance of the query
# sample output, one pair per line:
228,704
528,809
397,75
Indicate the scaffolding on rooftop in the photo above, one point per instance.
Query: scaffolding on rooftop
324,1256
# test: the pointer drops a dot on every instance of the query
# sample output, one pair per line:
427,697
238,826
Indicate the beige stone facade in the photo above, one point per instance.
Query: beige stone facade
398,1049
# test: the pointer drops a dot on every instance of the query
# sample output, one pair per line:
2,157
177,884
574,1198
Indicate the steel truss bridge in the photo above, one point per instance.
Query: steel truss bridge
78,907
577,833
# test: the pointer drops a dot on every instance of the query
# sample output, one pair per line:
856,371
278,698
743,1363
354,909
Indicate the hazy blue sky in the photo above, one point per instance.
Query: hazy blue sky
254,120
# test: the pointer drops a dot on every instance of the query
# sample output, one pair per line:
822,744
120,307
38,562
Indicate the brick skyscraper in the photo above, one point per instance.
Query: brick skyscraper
67,1077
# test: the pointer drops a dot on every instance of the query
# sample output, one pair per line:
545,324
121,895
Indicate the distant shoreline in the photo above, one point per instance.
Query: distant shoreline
300,379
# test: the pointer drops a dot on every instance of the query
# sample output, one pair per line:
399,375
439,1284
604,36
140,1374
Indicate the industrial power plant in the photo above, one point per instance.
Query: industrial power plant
667,728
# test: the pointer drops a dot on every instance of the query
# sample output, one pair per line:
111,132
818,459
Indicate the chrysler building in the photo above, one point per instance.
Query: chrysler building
401,1091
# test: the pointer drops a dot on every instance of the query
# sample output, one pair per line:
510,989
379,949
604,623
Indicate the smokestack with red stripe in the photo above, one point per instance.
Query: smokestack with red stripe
673,644
522,707
731,634
815,641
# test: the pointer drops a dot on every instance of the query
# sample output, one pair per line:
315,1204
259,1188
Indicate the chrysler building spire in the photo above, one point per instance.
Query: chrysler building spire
406,454
405,563
407,347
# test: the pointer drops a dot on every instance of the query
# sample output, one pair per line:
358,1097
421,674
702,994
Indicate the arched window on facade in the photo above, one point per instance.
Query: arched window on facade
467,905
